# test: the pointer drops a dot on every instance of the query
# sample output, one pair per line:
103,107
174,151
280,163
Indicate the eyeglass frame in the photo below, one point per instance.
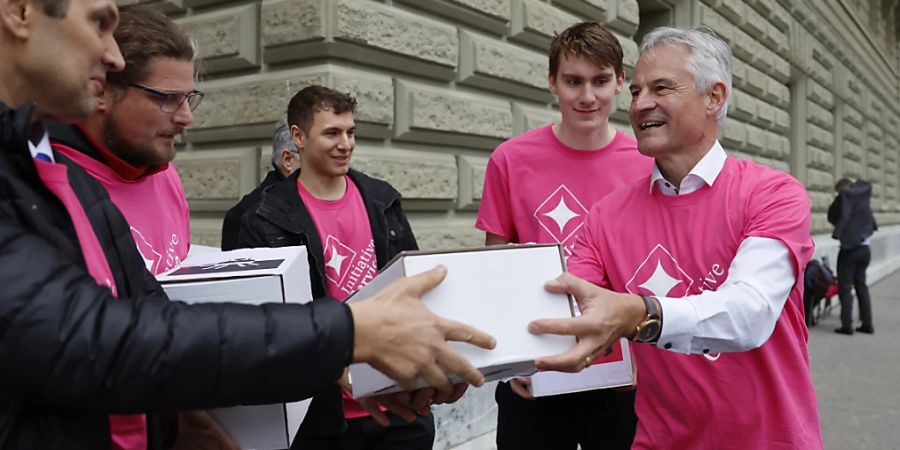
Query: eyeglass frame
164,96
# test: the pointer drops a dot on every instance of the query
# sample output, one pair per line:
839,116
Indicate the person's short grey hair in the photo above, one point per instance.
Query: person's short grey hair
710,61
282,139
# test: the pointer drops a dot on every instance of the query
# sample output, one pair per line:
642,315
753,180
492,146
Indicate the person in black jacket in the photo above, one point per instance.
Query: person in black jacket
854,224
73,351
344,218
285,160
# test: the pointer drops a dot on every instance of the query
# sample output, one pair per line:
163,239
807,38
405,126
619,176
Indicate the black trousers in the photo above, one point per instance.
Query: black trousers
366,434
851,271
597,420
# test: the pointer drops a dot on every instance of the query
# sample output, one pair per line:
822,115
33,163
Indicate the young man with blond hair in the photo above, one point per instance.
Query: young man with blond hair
539,187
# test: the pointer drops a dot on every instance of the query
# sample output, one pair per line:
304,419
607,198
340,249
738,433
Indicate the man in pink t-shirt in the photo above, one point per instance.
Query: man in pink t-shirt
539,187
127,145
352,225
699,265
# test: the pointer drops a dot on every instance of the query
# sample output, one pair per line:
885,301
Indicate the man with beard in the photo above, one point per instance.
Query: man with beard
87,332
128,143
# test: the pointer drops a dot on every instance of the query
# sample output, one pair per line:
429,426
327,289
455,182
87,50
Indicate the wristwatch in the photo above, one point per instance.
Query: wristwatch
649,328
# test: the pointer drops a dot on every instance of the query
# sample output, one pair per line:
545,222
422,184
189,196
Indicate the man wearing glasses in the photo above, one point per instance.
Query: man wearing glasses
127,145
285,160
128,142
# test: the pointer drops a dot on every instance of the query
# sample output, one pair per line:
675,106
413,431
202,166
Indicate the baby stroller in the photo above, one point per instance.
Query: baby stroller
819,284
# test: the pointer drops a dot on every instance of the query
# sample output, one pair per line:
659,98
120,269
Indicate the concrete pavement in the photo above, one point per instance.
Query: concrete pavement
857,377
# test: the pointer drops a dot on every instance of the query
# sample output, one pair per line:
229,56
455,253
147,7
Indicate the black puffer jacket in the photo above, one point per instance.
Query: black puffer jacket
70,353
281,219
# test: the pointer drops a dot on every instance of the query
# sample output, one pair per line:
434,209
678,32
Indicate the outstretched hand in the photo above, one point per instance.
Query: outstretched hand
605,317
399,336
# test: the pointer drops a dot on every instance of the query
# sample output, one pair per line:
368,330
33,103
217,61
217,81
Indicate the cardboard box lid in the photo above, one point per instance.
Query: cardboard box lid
212,265
221,276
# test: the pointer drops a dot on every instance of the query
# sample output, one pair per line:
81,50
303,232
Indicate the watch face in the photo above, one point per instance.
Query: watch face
649,330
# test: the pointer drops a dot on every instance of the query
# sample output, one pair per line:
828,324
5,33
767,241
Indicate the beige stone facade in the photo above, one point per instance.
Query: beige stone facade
441,82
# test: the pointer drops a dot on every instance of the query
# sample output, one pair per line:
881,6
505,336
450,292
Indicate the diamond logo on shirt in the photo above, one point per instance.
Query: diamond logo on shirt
338,257
660,275
152,258
561,214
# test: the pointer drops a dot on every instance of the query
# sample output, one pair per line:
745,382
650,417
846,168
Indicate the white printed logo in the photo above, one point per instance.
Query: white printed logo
155,261
561,215
337,258
660,275
152,258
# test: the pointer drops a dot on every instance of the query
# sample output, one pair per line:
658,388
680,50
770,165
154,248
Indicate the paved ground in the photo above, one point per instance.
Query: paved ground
857,377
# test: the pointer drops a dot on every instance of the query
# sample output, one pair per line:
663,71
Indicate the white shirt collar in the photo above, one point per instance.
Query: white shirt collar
43,147
703,173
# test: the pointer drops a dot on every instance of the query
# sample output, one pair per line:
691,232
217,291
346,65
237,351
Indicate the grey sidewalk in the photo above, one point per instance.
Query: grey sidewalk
857,377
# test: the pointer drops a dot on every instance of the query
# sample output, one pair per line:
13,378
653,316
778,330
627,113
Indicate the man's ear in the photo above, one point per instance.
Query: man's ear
716,97
298,137
551,83
16,16
287,159
620,82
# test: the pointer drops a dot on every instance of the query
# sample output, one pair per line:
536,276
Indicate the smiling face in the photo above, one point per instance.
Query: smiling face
66,59
135,128
325,150
668,114
586,92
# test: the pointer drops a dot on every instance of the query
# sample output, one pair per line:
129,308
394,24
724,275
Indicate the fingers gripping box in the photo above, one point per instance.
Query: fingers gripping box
614,369
498,290
249,276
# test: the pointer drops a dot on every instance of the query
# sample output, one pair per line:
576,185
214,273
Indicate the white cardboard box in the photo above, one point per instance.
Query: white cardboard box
608,371
250,276
498,290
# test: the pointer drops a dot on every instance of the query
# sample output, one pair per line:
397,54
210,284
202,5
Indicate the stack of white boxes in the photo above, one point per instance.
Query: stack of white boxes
249,276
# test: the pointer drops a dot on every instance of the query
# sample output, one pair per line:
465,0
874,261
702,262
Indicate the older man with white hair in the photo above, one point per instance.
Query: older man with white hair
285,160
699,266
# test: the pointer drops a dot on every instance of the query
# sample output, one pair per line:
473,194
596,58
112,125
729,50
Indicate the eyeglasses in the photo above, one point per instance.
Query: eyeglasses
172,101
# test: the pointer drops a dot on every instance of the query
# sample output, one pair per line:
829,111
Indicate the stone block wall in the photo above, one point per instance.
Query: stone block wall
441,82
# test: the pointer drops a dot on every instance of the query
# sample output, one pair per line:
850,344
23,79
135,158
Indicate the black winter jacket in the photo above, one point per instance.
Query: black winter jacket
70,353
281,219
232,222
851,215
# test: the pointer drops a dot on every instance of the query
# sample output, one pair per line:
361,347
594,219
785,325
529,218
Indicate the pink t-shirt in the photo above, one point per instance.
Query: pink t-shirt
153,205
349,251
759,399
127,432
536,189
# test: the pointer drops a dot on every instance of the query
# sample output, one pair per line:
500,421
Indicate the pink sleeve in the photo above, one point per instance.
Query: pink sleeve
779,208
495,215
586,261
